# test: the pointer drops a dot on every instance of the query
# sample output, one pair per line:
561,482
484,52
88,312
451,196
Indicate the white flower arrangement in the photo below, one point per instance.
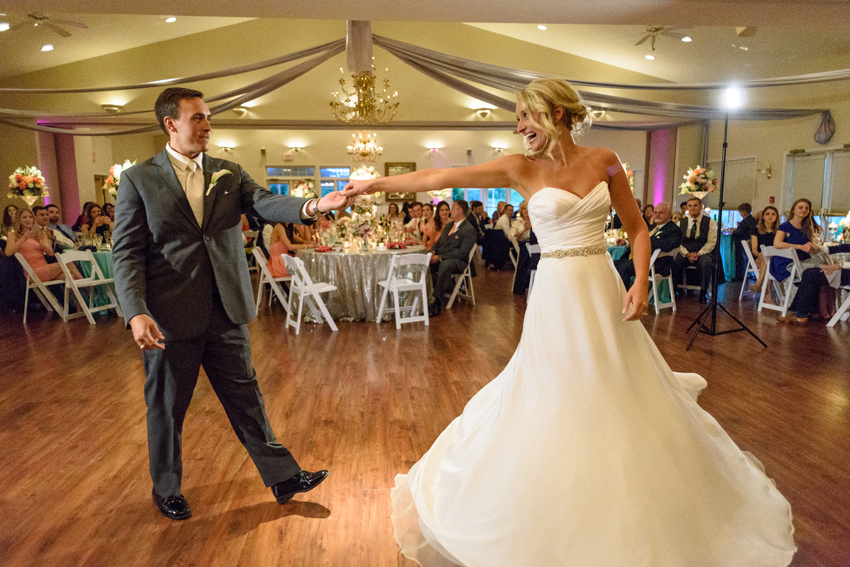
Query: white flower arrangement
364,173
303,188
111,183
698,179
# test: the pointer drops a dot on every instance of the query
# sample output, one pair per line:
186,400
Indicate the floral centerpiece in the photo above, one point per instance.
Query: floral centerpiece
441,194
699,181
630,175
363,173
303,188
844,225
28,184
111,183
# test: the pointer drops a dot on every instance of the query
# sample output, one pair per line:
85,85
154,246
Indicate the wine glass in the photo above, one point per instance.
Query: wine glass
98,240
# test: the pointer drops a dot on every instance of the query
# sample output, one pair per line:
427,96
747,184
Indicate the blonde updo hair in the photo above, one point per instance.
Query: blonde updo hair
541,97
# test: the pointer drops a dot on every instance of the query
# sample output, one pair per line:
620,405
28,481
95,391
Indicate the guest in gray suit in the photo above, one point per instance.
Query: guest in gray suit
450,255
182,280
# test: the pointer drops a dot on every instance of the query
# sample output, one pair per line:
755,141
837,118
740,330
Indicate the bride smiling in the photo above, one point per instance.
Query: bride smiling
587,450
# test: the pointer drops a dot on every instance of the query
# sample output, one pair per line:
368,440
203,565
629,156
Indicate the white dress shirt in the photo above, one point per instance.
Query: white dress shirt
504,224
712,235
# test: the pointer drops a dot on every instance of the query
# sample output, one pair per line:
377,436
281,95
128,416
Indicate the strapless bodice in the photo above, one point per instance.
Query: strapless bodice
563,220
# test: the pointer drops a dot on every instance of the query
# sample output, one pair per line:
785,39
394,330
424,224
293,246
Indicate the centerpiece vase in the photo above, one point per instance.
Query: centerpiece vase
30,199
699,194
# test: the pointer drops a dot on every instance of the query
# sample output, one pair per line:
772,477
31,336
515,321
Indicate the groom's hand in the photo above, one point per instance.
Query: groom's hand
333,201
146,333
354,188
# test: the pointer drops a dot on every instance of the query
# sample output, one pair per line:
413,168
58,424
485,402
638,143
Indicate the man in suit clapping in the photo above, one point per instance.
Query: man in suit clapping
665,236
182,280
450,254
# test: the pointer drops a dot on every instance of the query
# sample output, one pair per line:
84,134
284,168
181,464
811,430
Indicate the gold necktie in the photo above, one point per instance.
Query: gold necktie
195,191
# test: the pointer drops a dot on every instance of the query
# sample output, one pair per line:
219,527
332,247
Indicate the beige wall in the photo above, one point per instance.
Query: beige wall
17,148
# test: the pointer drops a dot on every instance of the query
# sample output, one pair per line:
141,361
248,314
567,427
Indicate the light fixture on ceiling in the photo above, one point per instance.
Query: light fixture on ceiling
541,27
170,20
226,149
240,110
111,108
48,47
687,39
365,147
4,26
597,114
365,104
650,57
482,112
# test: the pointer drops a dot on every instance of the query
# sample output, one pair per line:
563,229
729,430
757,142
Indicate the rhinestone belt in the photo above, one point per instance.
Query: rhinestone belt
585,251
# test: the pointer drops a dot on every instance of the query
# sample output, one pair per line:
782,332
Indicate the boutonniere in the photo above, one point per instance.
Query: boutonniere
216,176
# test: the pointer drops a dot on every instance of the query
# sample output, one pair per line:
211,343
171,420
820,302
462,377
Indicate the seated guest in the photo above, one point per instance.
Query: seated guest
327,219
475,220
525,262
405,213
740,235
797,232
32,242
54,218
664,236
442,217
83,218
764,235
281,243
521,227
429,237
677,217
699,242
8,220
450,255
96,222
500,210
648,215
58,241
109,210
480,213
393,215
505,220
415,226
807,300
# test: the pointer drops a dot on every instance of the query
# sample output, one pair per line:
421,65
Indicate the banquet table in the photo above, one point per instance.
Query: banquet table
616,252
356,276
104,262
727,253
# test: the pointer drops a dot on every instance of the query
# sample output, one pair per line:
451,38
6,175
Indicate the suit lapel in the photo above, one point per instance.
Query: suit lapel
210,166
169,179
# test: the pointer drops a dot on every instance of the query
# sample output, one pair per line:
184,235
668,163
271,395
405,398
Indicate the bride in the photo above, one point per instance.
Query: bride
587,450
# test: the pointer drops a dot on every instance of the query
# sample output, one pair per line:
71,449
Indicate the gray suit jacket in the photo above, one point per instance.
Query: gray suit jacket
166,266
457,245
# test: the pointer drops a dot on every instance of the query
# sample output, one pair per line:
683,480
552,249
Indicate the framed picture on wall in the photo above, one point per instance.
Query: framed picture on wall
400,168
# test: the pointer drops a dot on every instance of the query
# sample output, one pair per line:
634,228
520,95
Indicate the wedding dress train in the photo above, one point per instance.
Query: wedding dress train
587,450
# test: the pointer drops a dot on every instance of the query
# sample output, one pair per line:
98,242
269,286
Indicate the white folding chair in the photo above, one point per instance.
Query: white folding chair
302,285
843,312
251,236
94,280
532,250
266,278
40,288
400,265
656,279
463,283
785,289
752,268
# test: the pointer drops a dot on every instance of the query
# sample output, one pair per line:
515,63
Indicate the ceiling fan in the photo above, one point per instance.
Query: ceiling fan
36,19
653,32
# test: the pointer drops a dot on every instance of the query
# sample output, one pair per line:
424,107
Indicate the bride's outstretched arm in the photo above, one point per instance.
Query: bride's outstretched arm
500,172
636,302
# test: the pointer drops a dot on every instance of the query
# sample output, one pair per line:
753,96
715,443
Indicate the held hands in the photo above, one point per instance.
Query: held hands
808,247
355,188
145,333
636,298
334,201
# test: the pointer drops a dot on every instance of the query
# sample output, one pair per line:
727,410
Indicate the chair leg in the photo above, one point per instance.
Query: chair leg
300,311
260,294
26,302
425,303
383,303
327,314
397,309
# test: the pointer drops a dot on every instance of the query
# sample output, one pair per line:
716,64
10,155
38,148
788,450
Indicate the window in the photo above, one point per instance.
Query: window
493,198
335,172
279,188
292,172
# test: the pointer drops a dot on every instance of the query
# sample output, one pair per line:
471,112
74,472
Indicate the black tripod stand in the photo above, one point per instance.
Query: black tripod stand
711,309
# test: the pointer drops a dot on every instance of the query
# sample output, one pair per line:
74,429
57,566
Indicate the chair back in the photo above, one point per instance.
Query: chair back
471,255
533,248
791,253
295,268
28,269
251,235
751,262
652,259
401,260
70,256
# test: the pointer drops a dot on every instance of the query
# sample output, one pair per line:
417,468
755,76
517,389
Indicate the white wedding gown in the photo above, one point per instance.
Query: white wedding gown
587,450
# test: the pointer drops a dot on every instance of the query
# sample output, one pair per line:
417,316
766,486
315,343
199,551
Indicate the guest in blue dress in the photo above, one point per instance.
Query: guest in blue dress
797,232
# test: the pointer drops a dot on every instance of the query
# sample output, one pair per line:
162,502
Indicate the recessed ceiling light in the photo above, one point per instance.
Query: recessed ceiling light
4,26
542,27
47,47
687,39
650,57
170,20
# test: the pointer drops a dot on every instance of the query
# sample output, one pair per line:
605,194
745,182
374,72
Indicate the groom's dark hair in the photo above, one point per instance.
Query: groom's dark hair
168,103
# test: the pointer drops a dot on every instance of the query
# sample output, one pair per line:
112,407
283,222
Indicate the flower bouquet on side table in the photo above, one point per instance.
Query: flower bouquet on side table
27,183
111,183
699,182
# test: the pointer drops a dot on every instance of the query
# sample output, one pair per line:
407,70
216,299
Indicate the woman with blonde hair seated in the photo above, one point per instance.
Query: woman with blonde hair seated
28,238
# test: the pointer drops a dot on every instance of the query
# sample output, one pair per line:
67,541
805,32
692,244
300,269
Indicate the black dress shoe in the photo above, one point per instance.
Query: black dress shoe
173,507
435,309
302,482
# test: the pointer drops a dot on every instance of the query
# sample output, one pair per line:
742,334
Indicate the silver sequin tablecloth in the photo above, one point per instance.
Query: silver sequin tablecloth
356,276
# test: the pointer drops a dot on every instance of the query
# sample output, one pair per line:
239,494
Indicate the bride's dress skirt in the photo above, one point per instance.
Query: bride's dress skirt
588,451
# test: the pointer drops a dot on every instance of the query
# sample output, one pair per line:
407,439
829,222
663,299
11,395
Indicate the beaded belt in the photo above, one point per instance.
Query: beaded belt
584,251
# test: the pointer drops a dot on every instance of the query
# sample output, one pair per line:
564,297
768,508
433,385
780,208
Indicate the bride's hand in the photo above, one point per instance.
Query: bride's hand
354,188
636,299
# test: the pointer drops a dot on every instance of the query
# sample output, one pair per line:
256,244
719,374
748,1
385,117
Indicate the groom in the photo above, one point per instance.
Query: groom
182,280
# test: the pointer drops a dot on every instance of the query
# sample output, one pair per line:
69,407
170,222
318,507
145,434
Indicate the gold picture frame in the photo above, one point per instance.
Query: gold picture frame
400,168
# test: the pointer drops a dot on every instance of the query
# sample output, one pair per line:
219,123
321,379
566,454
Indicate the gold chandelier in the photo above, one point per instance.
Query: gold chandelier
364,104
365,147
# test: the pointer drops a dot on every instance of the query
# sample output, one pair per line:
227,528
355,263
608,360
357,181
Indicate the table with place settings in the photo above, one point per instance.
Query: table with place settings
356,275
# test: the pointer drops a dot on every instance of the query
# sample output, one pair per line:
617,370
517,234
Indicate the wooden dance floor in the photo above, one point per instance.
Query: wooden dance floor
364,402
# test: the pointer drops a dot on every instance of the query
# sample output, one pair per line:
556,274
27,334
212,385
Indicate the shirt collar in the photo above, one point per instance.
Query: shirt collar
180,161
458,223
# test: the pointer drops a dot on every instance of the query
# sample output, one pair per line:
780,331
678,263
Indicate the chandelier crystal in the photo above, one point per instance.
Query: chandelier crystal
365,104
365,147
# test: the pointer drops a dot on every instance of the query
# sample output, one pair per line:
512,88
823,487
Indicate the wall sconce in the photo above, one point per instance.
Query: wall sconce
240,110
597,114
482,112
112,108
498,150
768,171
434,150
296,149
226,149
